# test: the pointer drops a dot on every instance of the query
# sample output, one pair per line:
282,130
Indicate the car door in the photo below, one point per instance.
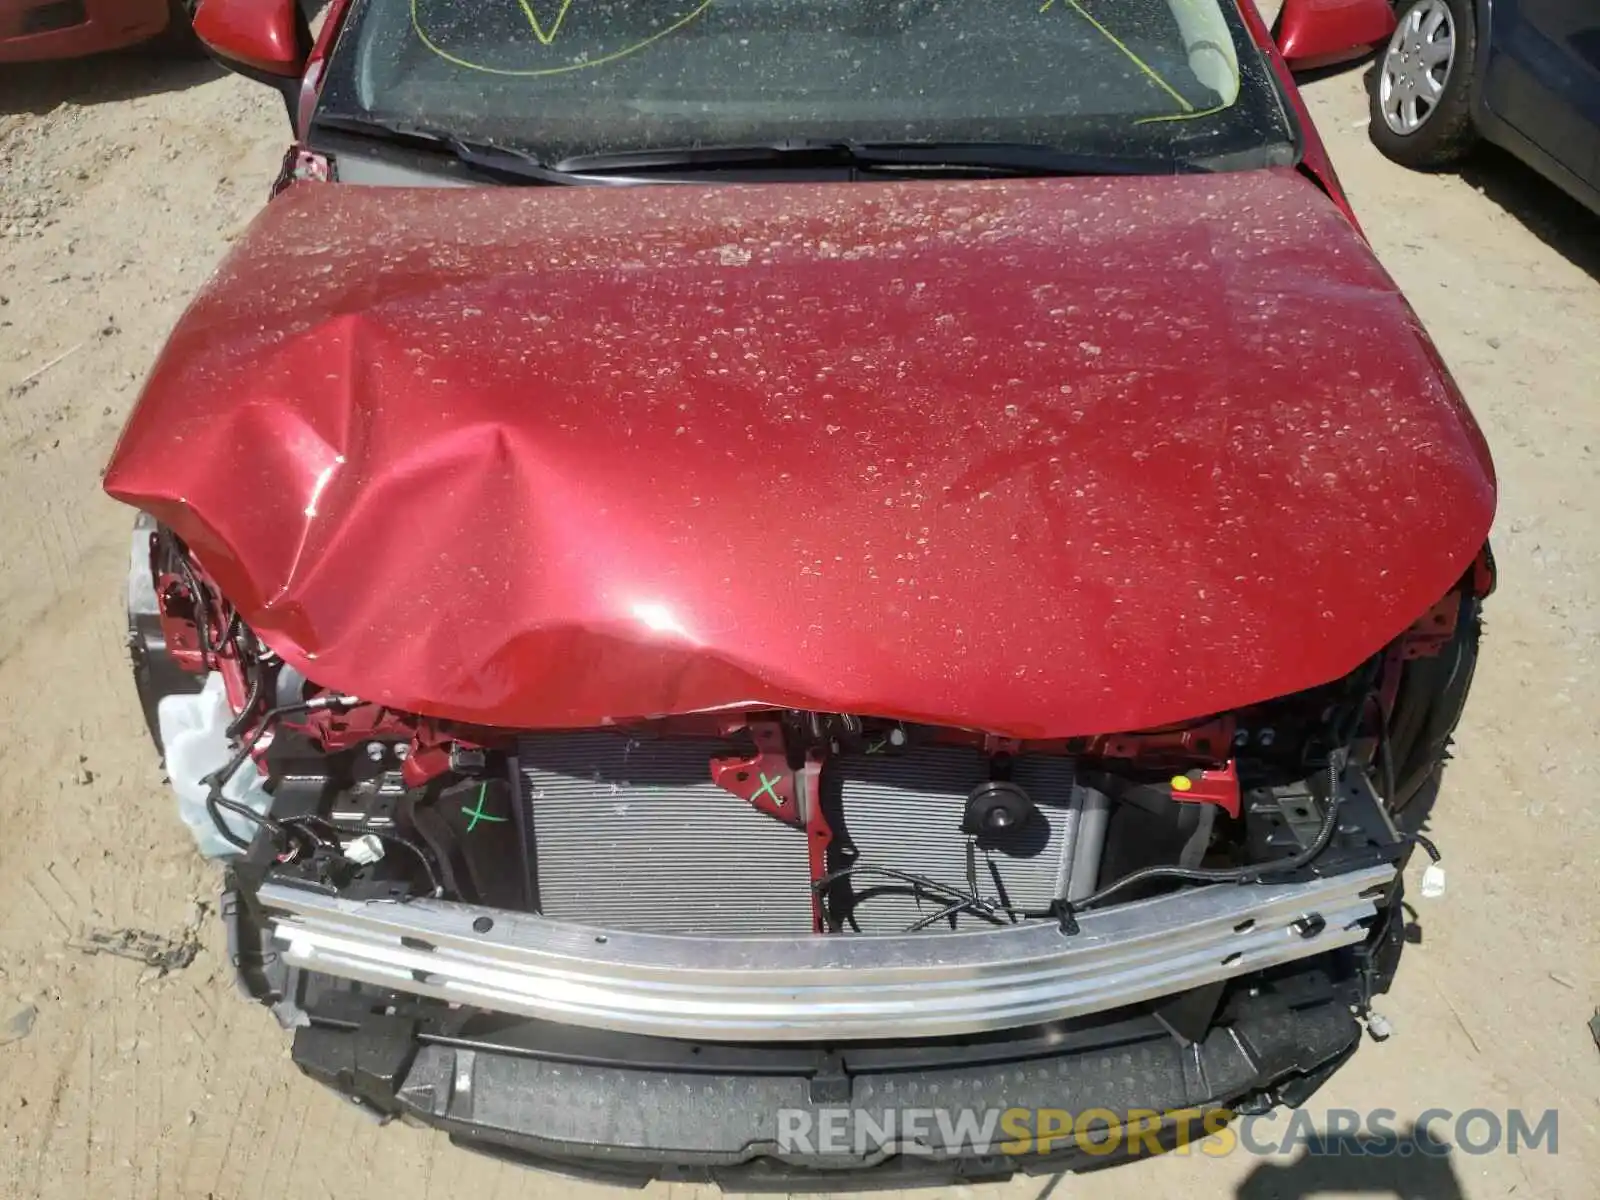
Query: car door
1543,77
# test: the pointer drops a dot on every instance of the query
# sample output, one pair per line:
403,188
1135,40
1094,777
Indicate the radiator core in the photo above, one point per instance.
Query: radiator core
630,833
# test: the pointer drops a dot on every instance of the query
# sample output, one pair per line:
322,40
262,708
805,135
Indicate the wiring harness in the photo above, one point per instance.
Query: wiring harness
290,829
956,900
291,835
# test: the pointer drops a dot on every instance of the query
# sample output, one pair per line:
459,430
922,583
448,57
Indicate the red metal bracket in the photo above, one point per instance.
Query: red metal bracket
1210,740
1428,635
1219,787
187,635
1431,632
766,781
819,834
182,633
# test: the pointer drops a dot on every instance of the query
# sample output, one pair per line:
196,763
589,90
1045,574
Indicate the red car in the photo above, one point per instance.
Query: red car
744,585
43,29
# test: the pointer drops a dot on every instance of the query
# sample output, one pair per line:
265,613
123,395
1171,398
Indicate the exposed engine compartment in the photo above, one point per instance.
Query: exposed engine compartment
776,823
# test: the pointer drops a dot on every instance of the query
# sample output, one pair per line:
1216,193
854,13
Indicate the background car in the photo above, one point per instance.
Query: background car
33,30
1523,74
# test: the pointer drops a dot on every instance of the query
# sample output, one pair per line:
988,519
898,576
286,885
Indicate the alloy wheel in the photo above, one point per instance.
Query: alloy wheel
1416,66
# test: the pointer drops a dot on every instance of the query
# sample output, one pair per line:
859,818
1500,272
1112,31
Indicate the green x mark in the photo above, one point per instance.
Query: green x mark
767,789
477,814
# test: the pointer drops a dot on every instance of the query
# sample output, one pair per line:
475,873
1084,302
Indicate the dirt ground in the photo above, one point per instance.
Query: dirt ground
122,182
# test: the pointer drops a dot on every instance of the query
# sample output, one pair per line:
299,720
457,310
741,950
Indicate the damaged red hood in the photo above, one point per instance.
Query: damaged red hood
1042,458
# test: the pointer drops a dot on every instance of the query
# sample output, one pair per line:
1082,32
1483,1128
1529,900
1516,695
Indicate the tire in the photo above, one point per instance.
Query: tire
1432,127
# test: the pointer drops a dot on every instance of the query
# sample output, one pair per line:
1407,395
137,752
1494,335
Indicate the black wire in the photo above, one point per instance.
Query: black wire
214,802
1385,752
252,698
293,824
1427,844
1386,762
202,615
1250,874
1000,889
420,855
921,883
230,632
861,896
934,918
966,901
911,877
1063,911
217,780
357,831
202,608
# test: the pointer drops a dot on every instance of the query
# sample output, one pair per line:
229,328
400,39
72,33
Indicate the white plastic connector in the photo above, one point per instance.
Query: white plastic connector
364,850
325,701
1433,882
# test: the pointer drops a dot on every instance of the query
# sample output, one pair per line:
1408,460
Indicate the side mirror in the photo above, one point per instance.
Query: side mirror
265,40
1319,33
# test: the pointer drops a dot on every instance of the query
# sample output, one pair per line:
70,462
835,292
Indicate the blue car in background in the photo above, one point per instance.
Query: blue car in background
1524,74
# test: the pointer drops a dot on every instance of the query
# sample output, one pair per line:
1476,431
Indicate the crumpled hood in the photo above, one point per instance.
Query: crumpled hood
1040,457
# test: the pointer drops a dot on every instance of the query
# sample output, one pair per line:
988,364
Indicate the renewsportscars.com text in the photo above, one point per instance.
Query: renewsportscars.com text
1214,1132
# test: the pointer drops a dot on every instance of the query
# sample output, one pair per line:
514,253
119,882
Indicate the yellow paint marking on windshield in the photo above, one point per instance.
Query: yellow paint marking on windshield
1194,115
1153,75
586,64
538,30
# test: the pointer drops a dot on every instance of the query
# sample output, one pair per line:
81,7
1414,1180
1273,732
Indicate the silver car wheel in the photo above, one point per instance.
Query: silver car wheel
1416,66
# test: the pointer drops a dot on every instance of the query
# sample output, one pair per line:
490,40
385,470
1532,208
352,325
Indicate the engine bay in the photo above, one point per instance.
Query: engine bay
746,824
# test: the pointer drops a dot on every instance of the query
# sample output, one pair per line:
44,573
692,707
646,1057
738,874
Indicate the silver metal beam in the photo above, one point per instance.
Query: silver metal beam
831,988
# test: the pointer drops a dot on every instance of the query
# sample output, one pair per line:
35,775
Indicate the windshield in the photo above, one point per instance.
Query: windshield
1162,79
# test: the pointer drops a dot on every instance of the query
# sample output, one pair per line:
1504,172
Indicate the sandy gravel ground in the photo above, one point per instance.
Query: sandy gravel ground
122,182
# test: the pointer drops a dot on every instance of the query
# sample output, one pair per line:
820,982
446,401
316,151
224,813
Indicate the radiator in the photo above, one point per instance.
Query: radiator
631,833
904,811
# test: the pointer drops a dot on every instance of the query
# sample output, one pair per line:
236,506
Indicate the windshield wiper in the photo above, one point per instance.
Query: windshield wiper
484,157
978,159
975,158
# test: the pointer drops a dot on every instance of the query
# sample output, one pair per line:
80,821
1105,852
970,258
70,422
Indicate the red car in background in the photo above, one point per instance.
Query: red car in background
34,30
714,568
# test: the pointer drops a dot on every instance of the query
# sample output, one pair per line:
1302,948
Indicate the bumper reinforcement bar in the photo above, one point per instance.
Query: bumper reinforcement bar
821,988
